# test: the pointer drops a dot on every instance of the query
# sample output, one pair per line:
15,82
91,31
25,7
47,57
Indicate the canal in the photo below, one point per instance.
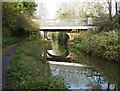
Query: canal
78,69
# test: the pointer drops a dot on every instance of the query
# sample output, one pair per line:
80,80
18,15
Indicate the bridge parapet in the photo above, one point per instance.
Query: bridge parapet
65,22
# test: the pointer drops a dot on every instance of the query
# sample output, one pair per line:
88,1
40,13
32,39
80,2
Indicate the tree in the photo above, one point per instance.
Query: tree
81,9
110,9
67,10
17,17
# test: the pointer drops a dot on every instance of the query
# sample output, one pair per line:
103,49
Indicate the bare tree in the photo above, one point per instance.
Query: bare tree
67,10
110,9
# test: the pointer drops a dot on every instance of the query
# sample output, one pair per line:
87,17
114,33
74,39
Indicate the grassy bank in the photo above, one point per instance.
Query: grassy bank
104,44
29,68
9,40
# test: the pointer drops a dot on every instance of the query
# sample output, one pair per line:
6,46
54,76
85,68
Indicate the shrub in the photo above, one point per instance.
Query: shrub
104,44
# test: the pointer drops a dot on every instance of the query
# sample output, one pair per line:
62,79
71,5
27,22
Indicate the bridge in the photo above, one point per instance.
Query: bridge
66,25
81,23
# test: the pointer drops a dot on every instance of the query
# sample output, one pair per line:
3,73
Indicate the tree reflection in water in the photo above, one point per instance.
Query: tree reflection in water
87,72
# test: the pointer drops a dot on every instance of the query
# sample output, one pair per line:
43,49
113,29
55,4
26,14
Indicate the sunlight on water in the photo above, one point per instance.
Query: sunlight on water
78,76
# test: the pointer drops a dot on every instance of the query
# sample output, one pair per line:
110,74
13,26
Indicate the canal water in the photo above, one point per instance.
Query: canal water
79,70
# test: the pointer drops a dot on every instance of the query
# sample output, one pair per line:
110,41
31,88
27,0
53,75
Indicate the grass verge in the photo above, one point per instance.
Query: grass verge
30,70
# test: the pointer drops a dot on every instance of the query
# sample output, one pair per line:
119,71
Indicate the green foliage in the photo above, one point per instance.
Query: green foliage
17,18
7,39
104,44
62,38
105,24
54,37
30,70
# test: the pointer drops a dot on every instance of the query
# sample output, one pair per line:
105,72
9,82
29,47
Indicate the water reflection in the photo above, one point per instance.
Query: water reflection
60,42
59,46
81,71
108,69
80,77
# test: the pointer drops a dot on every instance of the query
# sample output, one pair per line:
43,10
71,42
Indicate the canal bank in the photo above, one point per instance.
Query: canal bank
104,45
30,70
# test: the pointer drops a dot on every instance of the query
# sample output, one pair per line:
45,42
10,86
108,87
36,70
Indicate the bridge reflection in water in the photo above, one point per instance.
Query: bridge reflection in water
83,72
78,76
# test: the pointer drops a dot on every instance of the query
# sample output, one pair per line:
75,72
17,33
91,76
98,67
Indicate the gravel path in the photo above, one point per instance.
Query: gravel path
6,57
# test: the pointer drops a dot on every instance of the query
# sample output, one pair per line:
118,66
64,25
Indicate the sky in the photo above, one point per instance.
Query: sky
52,5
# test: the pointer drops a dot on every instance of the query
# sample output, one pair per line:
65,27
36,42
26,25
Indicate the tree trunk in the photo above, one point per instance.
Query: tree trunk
116,7
110,10
108,89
